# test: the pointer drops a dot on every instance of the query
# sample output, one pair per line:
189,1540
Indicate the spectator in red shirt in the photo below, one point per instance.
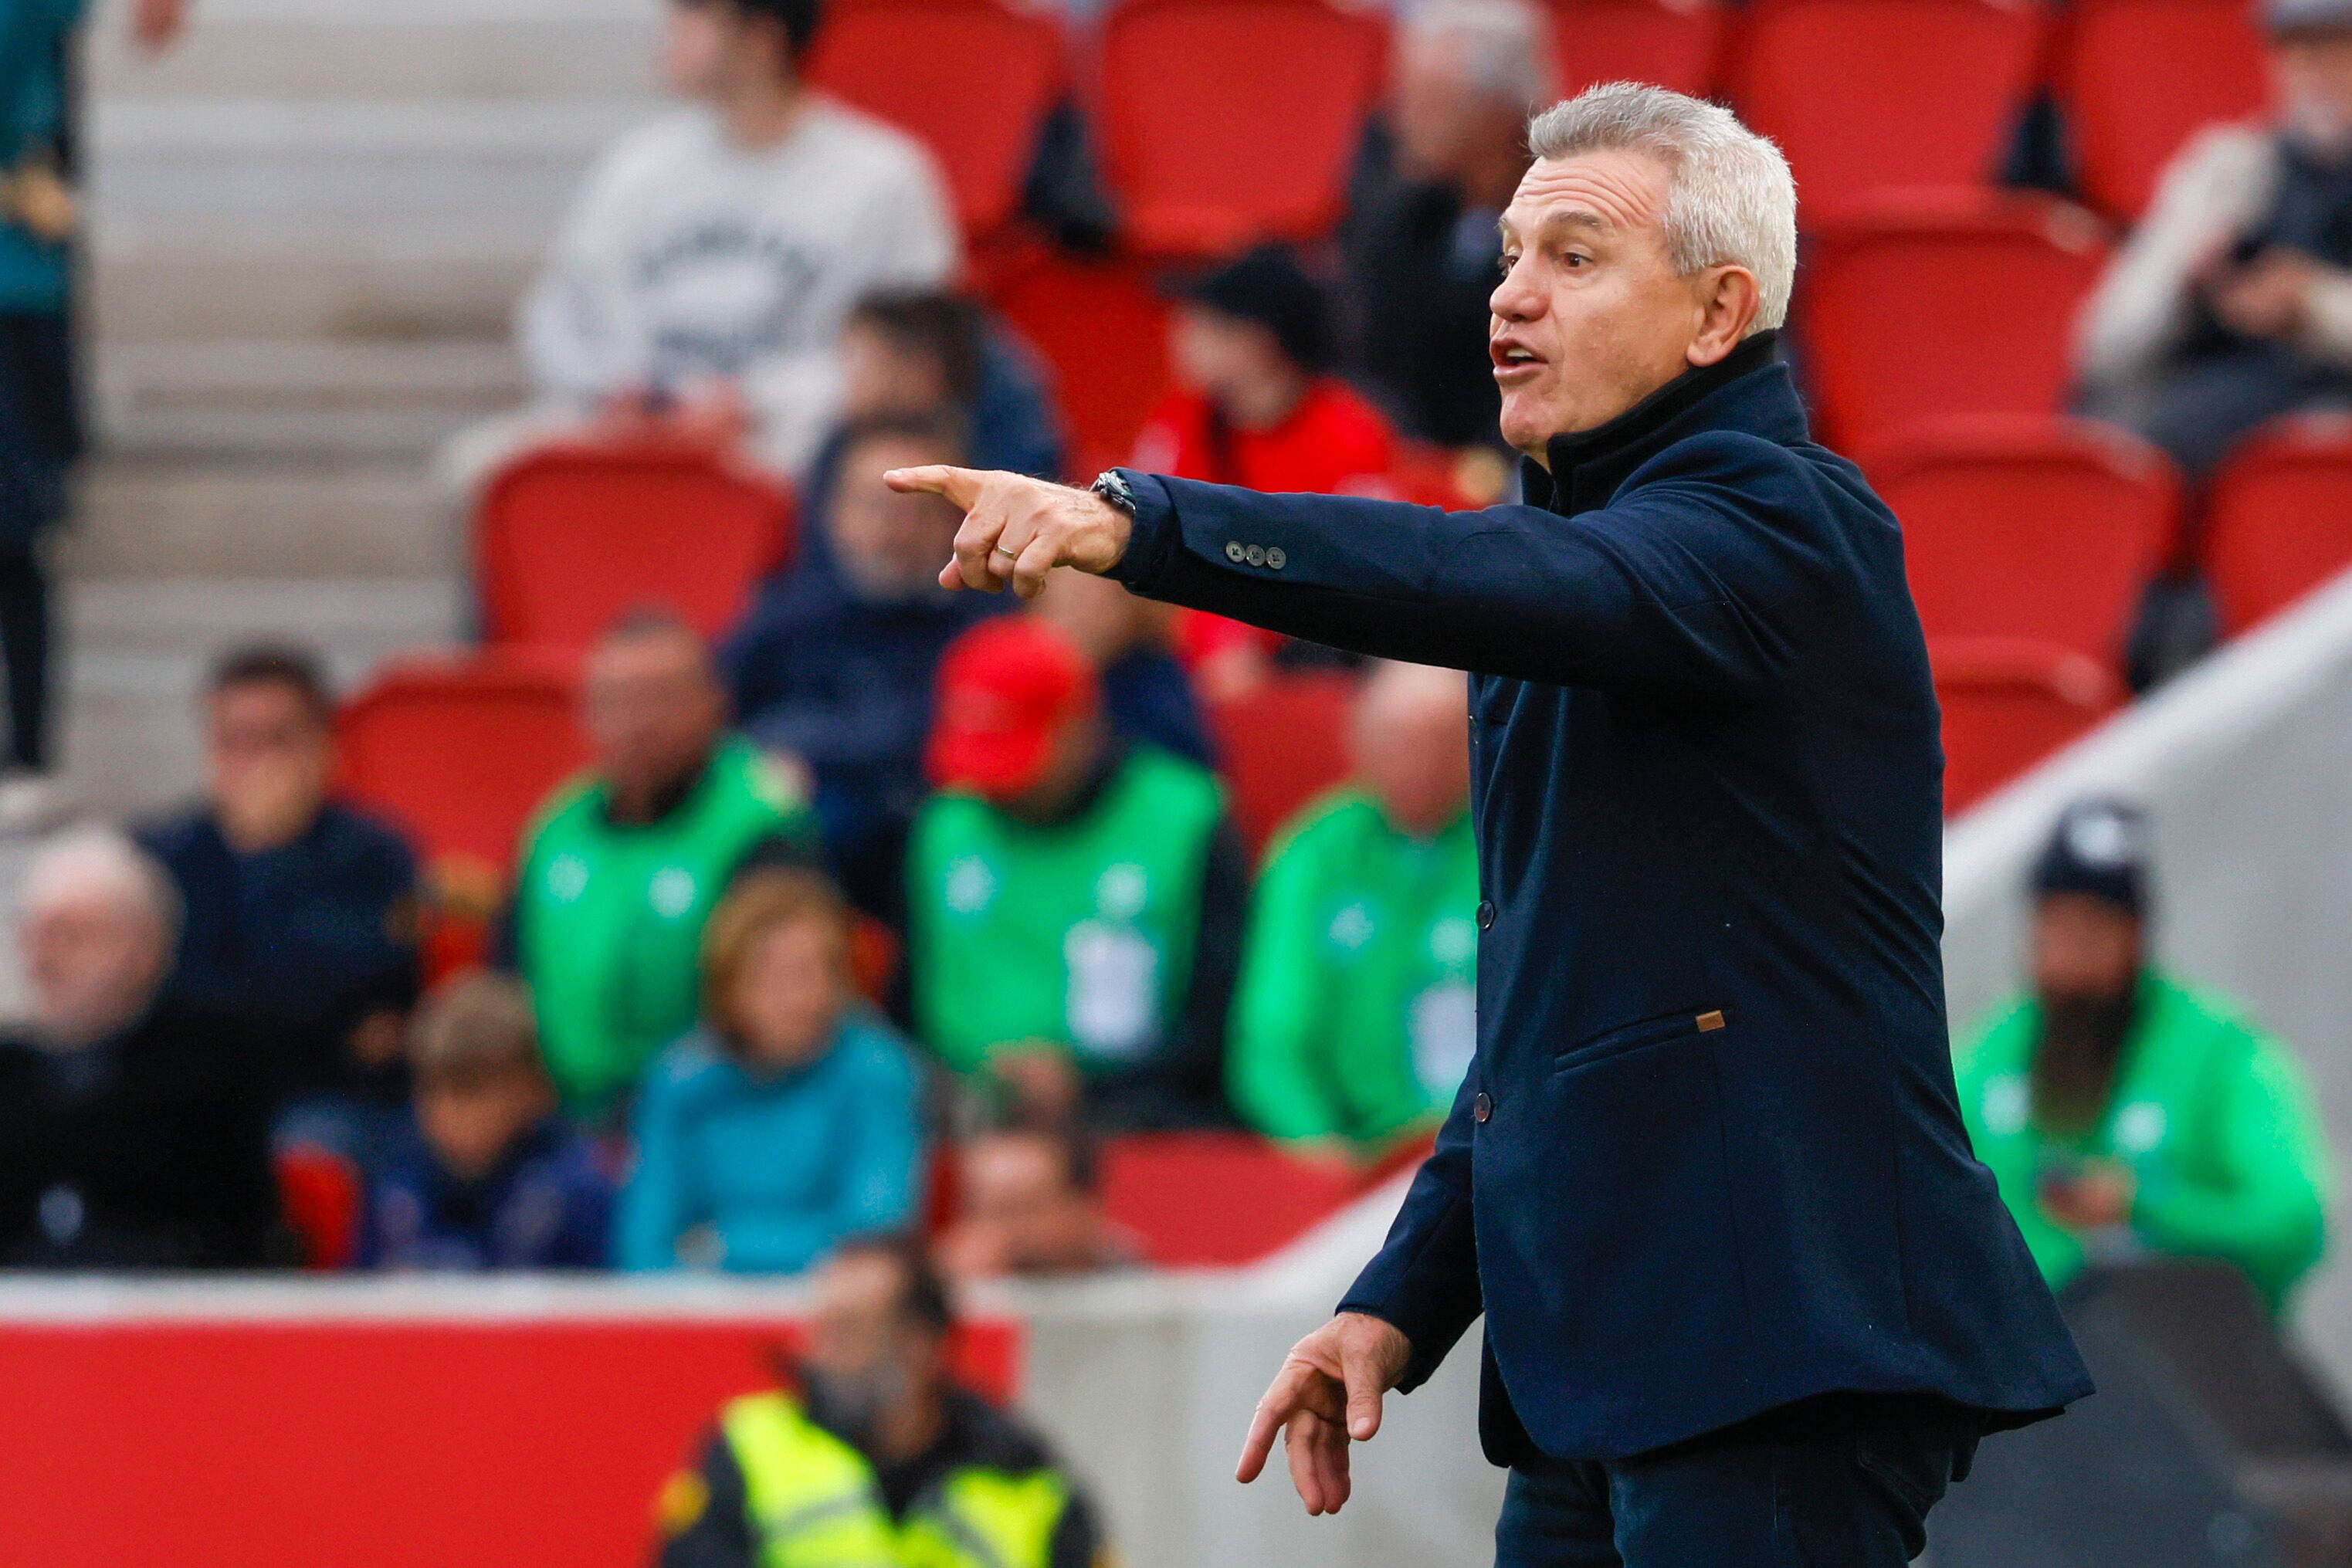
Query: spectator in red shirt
1257,404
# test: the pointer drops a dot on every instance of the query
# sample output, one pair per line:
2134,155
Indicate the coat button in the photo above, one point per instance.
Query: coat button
1233,551
1486,914
1255,555
1275,560
1482,1109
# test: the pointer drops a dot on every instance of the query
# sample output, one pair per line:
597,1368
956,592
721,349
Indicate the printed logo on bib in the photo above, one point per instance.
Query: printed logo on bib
2007,1103
1114,996
1444,1029
1352,926
566,878
1121,892
671,891
971,885
1453,941
2139,1126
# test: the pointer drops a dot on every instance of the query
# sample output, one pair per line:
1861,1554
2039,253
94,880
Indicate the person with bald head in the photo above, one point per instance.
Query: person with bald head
134,1124
1356,1016
623,864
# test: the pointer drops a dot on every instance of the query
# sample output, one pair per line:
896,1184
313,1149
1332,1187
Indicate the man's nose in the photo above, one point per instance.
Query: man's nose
1515,299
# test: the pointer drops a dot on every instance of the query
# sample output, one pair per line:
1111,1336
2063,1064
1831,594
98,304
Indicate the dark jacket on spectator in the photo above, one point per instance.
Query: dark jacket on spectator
1709,1160
548,1205
297,944
148,1150
1146,696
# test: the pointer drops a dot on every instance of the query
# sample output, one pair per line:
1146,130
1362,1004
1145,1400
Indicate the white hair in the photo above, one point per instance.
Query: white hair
1732,200
1503,47
81,863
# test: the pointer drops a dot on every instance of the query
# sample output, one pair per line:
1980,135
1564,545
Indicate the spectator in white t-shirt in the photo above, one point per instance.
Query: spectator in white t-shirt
704,274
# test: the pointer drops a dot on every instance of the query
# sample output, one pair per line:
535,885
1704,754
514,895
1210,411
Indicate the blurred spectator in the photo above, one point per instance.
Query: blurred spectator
791,1119
1146,694
703,277
1073,903
877,1458
1029,1202
301,919
1256,405
486,1175
623,864
835,666
133,1124
40,432
1356,1016
2232,301
1436,173
2122,1111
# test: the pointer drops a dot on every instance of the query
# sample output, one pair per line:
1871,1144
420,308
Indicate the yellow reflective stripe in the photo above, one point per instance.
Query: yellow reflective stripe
809,1495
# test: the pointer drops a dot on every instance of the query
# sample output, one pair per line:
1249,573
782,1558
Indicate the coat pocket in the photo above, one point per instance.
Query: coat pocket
1682,1023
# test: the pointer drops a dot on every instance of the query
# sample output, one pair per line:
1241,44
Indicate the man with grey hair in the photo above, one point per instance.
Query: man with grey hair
1435,171
133,1126
1748,1298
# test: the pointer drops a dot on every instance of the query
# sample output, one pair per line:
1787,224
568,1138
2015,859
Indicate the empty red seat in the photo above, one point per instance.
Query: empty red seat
1225,121
1672,43
973,79
2279,522
1282,743
568,538
1213,1200
458,751
1868,97
1917,310
2026,527
2008,705
2137,78
1102,326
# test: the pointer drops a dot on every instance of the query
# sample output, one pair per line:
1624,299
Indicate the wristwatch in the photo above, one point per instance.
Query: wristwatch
1112,487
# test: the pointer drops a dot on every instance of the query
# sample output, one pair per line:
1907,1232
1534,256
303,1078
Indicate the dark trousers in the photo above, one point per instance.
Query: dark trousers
1842,1482
39,438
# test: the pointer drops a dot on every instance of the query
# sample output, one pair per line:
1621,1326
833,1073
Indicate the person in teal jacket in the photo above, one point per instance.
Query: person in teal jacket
790,1120
40,432
2126,1113
1356,1016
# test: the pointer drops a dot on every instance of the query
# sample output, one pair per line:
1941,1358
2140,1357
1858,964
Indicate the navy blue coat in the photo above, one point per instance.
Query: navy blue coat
1709,1159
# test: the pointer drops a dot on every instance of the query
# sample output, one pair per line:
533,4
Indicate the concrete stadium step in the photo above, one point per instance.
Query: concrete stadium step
269,519
390,52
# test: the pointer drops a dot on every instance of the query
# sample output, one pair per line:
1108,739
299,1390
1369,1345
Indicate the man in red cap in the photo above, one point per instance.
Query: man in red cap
1073,903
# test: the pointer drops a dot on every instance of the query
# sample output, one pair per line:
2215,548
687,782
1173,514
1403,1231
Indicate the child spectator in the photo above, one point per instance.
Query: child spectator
1073,903
623,864
834,667
300,918
484,1174
701,282
788,1120
1356,1016
1029,1202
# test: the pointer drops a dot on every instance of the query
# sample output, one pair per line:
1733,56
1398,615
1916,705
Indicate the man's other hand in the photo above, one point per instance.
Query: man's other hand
1327,1396
1017,529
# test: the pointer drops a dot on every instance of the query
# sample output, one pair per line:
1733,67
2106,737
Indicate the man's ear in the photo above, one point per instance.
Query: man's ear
1726,298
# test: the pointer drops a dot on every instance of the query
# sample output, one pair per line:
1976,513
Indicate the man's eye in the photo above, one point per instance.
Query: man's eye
1571,260
1507,260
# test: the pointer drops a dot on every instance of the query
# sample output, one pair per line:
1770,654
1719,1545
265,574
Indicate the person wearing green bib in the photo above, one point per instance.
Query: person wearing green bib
1356,1017
2126,1113
1073,904
623,863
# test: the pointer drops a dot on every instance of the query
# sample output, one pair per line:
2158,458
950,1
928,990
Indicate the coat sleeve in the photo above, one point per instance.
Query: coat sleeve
1424,1279
1691,585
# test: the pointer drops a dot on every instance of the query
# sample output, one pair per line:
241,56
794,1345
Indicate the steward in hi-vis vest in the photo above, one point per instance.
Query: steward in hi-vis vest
879,1460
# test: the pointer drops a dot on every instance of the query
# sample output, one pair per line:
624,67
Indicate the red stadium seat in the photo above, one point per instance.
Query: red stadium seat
1213,1200
567,537
1103,327
1225,121
319,1191
1283,743
459,750
1673,43
2006,275
2024,528
2009,704
1868,97
2137,78
973,79
2279,522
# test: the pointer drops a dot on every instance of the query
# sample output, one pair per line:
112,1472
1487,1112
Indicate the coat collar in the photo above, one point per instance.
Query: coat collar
1747,390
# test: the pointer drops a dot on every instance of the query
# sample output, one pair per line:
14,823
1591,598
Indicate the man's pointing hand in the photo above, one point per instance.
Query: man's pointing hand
1017,529
1327,1394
